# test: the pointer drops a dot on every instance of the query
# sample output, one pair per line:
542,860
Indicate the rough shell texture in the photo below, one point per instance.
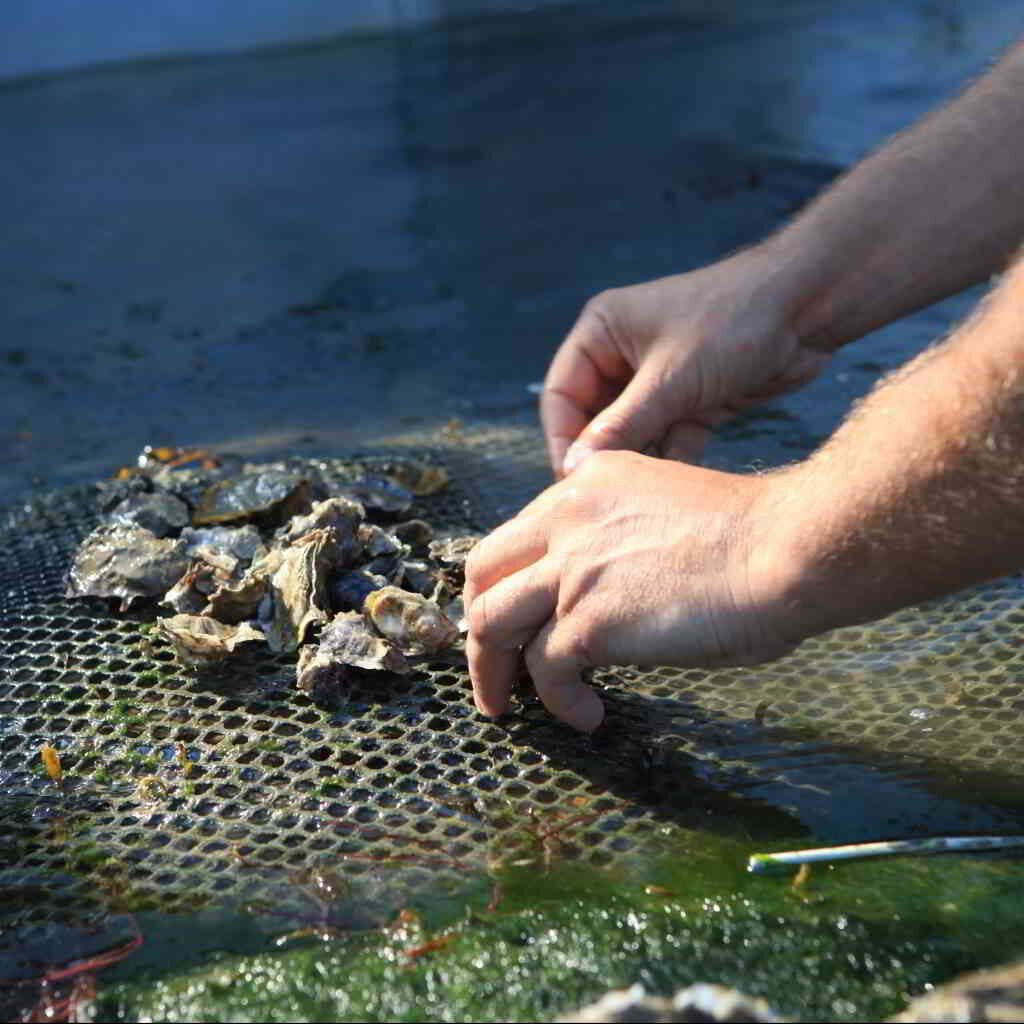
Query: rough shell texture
349,640
298,589
340,514
236,602
412,622
991,995
191,593
200,640
225,547
126,562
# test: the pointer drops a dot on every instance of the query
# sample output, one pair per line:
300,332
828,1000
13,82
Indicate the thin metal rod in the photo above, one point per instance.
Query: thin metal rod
767,861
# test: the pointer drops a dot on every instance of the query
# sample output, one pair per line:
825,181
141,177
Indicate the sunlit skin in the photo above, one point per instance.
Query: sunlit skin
641,560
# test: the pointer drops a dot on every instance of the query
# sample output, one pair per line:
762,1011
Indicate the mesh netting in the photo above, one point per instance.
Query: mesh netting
184,790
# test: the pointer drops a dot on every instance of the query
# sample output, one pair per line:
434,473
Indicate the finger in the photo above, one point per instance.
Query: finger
584,377
684,442
493,673
562,419
509,614
638,417
512,546
555,666
501,620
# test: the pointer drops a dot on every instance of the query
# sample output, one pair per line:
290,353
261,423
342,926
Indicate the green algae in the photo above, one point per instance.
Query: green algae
854,942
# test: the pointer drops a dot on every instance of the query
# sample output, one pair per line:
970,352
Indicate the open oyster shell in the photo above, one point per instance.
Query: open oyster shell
415,624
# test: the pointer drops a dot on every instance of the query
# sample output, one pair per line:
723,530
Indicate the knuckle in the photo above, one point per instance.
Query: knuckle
480,620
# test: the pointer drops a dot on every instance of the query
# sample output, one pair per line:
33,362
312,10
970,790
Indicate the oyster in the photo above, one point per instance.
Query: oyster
125,561
419,577
379,493
347,591
319,675
452,554
384,550
415,533
298,589
454,551
267,496
342,515
415,624
227,548
348,639
200,640
158,512
236,602
418,478
191,593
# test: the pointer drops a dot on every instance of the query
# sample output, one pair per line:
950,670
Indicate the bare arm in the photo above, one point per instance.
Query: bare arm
938,208
633,560
920,491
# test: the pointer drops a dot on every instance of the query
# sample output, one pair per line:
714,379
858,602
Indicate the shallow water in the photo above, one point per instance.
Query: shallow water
340,246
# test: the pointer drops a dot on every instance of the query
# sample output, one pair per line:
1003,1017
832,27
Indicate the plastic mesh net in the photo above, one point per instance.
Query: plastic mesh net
181,791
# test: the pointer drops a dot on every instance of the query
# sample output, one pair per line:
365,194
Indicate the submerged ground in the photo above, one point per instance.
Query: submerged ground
331,248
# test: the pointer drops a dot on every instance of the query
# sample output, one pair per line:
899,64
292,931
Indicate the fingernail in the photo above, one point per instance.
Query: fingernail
577,452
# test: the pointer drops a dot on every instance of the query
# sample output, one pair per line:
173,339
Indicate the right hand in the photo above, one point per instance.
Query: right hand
655,367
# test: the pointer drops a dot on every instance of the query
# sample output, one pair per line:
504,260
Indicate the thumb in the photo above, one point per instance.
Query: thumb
636,419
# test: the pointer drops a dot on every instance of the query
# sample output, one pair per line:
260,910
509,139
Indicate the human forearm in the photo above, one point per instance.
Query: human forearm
918,493
938,208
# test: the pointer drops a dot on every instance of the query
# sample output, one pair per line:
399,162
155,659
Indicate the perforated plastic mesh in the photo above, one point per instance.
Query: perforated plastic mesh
405,781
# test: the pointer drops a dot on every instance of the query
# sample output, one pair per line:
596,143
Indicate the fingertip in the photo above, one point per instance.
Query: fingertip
576,453
587,713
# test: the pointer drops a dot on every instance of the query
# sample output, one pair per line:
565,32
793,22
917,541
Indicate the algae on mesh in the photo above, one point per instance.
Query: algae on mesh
854,942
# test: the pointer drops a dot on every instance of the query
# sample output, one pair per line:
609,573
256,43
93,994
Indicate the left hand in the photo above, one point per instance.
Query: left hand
630,560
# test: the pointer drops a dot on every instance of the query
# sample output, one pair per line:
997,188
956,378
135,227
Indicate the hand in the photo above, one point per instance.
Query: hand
656,367
631,560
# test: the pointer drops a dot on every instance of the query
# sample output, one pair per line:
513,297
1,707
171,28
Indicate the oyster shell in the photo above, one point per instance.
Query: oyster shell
347,591
452,554
236,602
228,548
374,492
415,624
200,640
191,593
454,550
160,513
125,561
418,478
342,515
416,533
298,588
419,577
349,639
268,496
320,675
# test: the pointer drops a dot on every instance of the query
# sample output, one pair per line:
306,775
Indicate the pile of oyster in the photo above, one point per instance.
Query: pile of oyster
279,554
